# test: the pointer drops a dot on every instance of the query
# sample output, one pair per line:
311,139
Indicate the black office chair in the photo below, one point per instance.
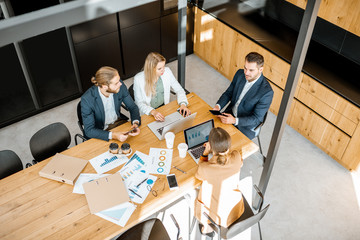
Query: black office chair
247,219
152,229
131,91
257,134
49,140
83,137
10,163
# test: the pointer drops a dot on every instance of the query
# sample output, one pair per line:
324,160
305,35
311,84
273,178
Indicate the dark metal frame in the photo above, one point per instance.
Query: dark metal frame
302,44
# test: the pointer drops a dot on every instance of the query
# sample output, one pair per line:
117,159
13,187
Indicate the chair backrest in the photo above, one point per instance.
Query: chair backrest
80,120
151,229
49,140
131,91
242,224
10,163
258,128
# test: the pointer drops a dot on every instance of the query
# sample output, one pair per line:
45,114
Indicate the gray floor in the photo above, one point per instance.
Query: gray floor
311,195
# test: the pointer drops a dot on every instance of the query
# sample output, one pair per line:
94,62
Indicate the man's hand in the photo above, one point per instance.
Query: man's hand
227,119
157,115
120,136
136,130
217,108
184,111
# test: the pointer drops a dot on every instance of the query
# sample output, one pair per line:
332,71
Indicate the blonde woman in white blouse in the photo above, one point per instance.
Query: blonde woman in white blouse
152,87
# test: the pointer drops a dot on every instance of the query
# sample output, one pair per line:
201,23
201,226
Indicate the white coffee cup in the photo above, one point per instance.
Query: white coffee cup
182,147
169,137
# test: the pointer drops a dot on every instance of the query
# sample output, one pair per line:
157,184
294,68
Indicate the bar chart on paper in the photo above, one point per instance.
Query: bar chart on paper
107,161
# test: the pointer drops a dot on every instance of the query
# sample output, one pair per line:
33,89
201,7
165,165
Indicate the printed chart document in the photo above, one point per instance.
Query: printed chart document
83,178
107,161
161,160
119,214
136,176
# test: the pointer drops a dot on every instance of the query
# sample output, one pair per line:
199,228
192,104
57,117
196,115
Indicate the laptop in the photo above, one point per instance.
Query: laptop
196,136
174,122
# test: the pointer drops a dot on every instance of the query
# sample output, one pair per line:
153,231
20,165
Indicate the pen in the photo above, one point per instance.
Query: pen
135,193
141,182
179,169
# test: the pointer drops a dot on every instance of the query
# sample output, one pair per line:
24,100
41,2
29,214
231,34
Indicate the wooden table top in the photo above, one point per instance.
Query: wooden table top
32,207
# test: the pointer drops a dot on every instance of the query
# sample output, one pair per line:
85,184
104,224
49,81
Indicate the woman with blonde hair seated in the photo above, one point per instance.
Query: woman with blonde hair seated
219,195
152,87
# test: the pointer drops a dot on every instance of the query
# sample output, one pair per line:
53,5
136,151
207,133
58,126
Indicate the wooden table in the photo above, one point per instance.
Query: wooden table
32,207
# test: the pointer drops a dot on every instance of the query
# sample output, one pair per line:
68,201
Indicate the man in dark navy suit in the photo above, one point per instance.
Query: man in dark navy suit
250,96
100,107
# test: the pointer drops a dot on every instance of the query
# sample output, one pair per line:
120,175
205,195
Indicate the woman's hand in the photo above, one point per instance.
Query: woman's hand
184,111
207,149
157,115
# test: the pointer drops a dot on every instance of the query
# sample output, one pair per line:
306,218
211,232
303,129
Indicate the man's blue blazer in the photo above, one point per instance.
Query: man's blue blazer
93,114
253,106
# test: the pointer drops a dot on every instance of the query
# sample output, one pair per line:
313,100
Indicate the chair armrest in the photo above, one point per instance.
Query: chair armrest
176,225
79,136
218,230
258,126
260,195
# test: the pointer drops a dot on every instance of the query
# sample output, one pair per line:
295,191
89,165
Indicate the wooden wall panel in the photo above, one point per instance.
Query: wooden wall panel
320,132
323,109
275,76
331,98
343,13
278,94
351,158
210,38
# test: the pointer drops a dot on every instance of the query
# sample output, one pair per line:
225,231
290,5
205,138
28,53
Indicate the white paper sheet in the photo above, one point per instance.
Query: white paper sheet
83,178
119,214
134,172
107,161
140,190
161,159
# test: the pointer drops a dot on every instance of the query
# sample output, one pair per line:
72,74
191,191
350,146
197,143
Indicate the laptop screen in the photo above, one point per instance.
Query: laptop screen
198,134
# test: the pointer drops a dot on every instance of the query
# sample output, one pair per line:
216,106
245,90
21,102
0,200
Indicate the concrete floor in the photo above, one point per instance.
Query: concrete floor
311,195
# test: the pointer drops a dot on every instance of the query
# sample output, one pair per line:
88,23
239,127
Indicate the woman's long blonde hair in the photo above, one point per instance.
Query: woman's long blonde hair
151,62
220,143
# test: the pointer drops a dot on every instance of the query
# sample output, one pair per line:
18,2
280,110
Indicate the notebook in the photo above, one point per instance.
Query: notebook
174,122
196,136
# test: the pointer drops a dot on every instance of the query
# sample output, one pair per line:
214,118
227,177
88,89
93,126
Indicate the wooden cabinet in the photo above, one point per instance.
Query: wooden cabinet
344,14
328,104
318,113
319,131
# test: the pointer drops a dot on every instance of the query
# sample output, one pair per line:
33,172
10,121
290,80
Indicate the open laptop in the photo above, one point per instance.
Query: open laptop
196,136
174,122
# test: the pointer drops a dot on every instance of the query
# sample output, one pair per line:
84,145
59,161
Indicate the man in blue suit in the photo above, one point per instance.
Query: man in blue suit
250,96
100,107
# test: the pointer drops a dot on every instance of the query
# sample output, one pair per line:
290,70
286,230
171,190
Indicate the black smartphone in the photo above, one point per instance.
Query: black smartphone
171,178
216,112
131,131
180,111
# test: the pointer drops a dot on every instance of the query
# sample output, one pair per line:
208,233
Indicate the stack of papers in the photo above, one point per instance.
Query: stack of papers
108,195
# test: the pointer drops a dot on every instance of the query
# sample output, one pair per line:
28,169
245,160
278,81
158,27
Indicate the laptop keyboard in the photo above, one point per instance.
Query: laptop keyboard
160,130
196,152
